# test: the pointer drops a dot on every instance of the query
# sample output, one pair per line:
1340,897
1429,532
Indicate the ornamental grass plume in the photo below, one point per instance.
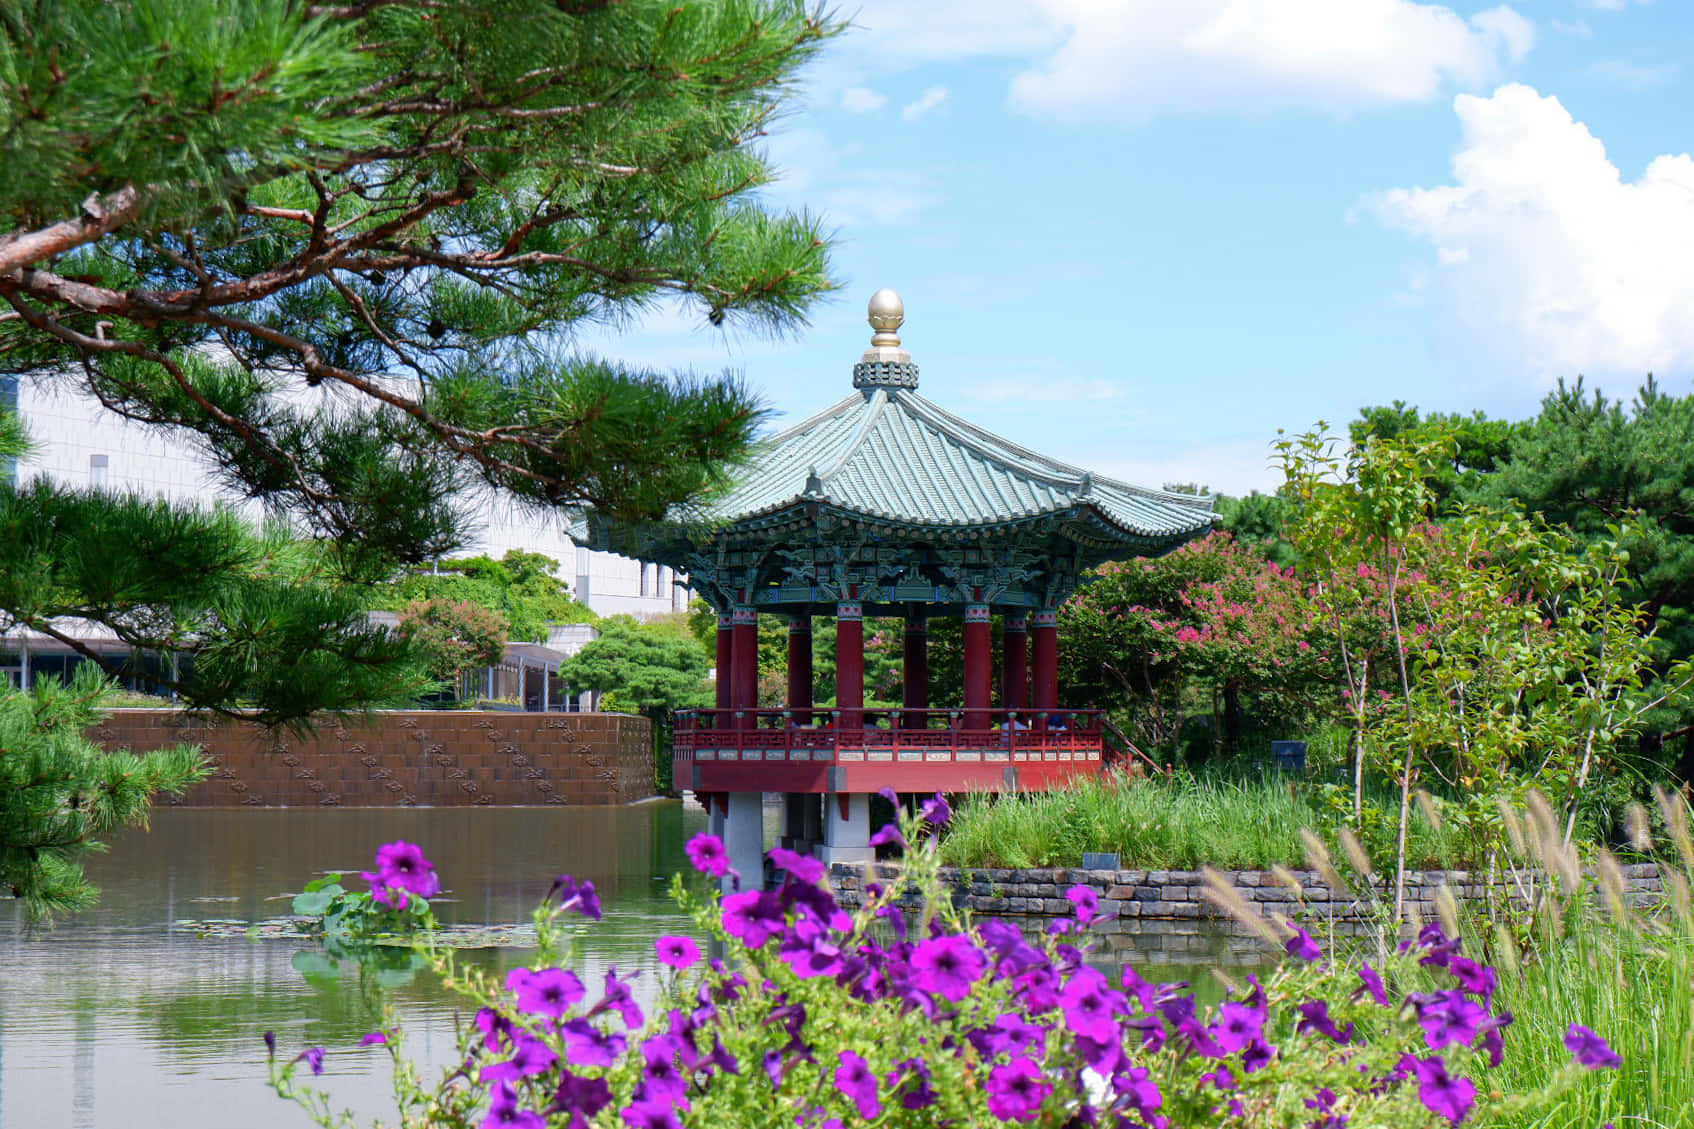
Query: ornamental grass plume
818,1016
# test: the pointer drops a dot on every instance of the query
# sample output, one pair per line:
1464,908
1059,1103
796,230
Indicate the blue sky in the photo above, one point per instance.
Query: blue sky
1143,235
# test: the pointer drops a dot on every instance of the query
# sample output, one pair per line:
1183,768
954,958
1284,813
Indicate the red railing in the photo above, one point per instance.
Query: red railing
714,732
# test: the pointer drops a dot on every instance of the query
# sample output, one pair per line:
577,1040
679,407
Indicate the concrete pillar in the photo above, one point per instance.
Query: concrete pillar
1014,677
847,829
1044,641
744,837
800,668
850,663
979,665
746,663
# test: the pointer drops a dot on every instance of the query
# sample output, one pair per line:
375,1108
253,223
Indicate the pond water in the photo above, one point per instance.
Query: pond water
115,1019
121,1018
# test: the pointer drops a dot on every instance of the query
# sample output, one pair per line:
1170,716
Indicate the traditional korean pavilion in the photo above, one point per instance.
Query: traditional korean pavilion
887,505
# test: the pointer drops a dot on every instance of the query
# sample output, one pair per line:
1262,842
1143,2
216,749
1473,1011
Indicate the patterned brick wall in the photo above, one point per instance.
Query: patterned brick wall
405,758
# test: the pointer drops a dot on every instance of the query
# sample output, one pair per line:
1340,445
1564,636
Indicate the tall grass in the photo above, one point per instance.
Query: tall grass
1628,976
1163,823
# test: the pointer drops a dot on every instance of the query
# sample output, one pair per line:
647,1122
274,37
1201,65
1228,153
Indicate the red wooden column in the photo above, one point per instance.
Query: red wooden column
979,665
800,668
1014,677
726,668
1045,644
746,629
914,668
850,663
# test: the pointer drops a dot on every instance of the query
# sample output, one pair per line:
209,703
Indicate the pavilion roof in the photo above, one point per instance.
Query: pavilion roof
892,457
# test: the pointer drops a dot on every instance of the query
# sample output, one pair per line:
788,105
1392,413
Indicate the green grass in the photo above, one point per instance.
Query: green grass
1163,823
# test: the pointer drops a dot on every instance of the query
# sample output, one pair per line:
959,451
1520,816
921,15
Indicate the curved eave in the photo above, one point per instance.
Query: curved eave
1084,523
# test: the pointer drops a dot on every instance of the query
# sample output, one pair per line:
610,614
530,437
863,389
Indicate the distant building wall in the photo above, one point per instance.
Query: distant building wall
405,758
78,443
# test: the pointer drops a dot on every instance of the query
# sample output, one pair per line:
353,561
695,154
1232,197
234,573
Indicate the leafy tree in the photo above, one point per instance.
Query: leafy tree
652,668
521,587
455,636
59,791
1474,446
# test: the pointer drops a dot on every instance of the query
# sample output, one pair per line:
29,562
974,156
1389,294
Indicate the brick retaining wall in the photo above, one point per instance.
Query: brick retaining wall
1159,916
403,758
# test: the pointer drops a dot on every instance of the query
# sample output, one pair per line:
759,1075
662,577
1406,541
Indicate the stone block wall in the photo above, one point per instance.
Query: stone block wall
406,758
1160,917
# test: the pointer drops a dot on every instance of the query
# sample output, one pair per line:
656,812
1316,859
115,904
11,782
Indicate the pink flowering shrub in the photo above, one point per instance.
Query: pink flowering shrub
815,1018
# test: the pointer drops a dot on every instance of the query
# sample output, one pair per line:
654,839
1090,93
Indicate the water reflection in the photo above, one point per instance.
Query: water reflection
114,1020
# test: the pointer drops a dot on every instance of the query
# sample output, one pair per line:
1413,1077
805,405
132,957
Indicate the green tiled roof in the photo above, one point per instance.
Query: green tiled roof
887,454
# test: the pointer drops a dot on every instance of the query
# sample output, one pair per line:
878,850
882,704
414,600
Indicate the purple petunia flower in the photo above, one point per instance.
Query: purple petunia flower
1478,979
1301,944
854,1078
650,1114
1238,1026
374,1039
1373,985
802,868
314,1058
1314,1016
1086,901
587,1045
1441,1093
549,991
503,1112
270,1043
752,917
947,966
1590,1050
935,811
681,953
573,896
910,1078
1448,1017
707,854
581,1096
1016,1091
889,833
1257,1056
1137,1087
529,1056
402,865
1090,1007
617,997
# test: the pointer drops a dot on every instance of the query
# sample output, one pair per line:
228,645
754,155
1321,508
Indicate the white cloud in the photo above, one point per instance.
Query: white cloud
843,182
1232,465
926,102
1578,28
1630,76
1549,263
1616,5
1132,59
862,100
1047,389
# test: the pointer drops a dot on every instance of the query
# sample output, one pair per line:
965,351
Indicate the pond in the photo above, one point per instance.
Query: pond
124,1017
115,1018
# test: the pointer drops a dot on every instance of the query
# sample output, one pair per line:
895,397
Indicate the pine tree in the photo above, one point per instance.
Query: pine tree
342,248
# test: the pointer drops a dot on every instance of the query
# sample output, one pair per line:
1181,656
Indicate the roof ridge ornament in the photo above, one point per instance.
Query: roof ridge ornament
885,364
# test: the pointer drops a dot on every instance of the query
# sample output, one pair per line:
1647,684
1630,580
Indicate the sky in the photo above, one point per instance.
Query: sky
1142,236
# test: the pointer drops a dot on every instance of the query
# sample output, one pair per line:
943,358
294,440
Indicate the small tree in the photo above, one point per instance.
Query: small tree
59,791
651,668
454,635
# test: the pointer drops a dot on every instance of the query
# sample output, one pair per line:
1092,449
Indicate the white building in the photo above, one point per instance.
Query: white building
79,443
